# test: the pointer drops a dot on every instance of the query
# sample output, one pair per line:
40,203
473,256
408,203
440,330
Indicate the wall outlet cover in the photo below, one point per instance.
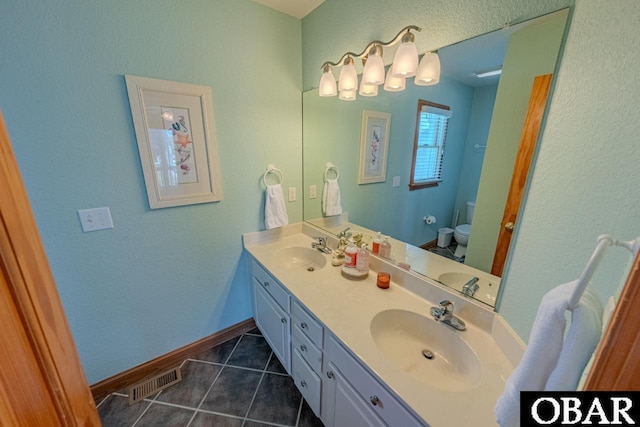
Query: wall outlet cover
95,219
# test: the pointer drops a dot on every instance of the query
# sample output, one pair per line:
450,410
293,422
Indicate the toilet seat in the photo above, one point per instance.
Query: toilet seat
464,229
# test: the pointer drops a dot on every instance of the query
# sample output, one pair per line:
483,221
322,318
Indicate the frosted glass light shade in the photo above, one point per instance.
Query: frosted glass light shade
368,90
348,79
429,70
394,84
373,73
327,85
405,62
347,95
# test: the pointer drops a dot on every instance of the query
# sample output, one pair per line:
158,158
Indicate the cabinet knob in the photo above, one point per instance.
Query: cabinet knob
266,284
329,374
303,347
374,400
283,320
303,383
303,325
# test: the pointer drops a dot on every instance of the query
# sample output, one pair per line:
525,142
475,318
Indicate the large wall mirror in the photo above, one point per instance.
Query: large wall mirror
483,137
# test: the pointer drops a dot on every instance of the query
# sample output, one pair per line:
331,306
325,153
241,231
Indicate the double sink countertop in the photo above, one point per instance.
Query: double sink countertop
359,314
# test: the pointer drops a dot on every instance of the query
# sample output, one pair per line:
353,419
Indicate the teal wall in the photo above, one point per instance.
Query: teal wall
531,51
484,99
332,132
163,278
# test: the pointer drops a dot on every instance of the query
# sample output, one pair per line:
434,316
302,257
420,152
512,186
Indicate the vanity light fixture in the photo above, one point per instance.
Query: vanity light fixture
429,70
405,64
493,71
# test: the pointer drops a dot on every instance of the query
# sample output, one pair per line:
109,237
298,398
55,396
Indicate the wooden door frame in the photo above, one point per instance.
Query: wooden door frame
32,304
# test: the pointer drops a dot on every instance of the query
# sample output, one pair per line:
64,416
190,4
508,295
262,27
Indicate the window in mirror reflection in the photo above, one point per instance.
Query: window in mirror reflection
428,148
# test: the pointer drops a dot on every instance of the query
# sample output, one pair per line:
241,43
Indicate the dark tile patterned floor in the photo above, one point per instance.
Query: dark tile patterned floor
239,383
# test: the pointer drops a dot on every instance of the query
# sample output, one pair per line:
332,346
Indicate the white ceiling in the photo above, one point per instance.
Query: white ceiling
296,8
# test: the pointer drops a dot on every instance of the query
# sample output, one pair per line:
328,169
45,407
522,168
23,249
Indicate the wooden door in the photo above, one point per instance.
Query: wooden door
41,380
530,131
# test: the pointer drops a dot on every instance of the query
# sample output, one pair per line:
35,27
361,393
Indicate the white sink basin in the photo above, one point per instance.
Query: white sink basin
402,336
300,258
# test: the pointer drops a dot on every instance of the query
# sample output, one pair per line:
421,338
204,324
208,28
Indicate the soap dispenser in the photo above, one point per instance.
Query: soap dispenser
376,243
385,248
350,255
362,262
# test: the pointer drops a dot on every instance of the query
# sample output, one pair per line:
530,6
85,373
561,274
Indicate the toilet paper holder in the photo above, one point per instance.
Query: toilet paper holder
429,219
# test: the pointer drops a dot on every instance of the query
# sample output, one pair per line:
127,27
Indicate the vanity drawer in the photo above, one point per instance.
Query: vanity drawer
307,349
379,399
272,287
307,324
307,381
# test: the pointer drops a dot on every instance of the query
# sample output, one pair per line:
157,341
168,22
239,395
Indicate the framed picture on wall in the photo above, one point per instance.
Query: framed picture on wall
374,143
175,130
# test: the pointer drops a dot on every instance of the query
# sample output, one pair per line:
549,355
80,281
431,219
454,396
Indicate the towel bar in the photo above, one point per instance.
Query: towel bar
271,169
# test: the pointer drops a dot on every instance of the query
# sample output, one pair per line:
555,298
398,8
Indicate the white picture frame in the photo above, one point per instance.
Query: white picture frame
374,144
175,130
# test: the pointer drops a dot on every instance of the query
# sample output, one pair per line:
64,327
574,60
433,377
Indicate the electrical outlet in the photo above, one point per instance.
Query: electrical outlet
396,181
313,192
292,194
95,219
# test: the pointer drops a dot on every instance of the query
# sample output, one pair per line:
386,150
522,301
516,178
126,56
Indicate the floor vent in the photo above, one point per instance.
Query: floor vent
153,385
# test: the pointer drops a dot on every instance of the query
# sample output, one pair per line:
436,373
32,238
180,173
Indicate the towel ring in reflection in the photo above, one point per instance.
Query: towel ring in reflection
271,169
331,166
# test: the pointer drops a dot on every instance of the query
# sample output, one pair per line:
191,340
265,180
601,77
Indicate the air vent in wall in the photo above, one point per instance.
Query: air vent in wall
153,385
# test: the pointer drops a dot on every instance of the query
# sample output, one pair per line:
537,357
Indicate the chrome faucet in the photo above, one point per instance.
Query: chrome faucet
344,233
321,245
469,289
444,314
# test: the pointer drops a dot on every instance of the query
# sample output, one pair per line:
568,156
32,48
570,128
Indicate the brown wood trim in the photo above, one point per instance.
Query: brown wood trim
168,360
35,307
430,245
414,186
617,363
528,139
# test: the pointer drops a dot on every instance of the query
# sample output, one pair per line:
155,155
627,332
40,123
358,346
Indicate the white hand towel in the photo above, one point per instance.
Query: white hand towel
331,204
275,211
541,356
579,343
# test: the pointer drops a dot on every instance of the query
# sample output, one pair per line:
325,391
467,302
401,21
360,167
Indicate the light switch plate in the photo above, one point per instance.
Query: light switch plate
313,192
396,181
95,219
292,194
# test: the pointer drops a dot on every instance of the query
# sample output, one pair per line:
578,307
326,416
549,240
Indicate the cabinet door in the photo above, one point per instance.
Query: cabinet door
274,322
342,406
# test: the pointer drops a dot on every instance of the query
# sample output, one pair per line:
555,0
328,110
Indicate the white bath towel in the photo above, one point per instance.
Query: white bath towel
543,352
275,211
331,204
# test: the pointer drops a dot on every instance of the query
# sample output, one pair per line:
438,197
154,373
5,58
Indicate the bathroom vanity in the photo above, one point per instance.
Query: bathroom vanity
357,352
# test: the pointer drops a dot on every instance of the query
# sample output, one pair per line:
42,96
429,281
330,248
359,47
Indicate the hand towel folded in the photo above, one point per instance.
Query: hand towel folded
275,211
544,351
331,204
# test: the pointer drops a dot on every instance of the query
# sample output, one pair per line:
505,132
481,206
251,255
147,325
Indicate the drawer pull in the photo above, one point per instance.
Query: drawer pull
303,325
303,383
303,347
329,374
283,320
374,400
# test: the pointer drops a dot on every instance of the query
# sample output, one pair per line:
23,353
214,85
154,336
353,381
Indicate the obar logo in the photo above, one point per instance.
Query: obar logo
579,408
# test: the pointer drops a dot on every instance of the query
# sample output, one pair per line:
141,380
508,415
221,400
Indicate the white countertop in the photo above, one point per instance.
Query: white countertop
346,307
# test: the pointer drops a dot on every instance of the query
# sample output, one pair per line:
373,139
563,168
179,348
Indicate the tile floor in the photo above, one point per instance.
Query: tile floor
239,383
447,252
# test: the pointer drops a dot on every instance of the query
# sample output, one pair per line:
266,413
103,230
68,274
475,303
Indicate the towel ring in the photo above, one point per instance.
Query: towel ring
271,169
331,166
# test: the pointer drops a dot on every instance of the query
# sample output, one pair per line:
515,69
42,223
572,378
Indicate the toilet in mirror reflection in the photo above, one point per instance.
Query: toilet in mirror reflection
461,232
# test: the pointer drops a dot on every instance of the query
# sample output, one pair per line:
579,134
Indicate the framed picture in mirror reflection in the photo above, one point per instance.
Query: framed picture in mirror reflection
374,144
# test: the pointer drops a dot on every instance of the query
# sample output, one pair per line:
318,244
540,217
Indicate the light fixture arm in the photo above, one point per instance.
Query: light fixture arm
406,30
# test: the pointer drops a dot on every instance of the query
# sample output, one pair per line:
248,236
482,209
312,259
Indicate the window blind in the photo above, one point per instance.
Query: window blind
432,133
